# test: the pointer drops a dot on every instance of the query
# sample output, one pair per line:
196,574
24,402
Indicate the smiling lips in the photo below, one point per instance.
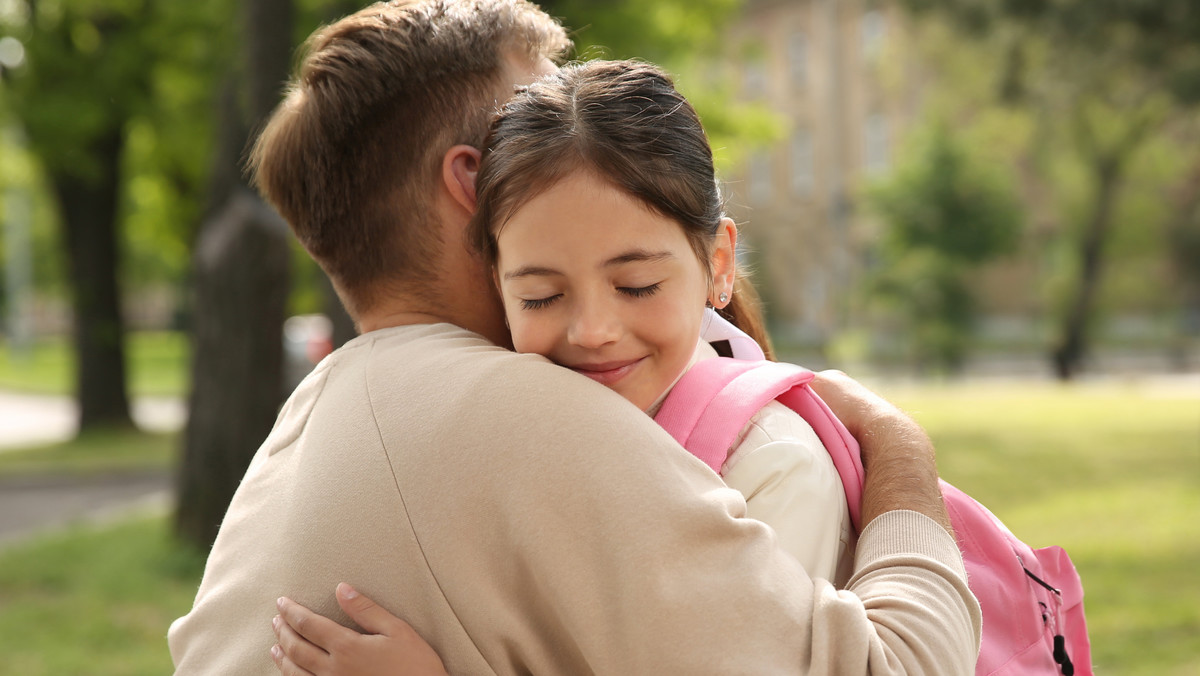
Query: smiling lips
608,373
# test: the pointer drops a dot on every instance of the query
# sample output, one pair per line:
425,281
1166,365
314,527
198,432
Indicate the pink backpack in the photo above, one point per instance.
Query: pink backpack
1032,600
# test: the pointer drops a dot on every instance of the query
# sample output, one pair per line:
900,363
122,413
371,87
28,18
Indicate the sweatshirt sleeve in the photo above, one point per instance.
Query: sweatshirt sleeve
570,534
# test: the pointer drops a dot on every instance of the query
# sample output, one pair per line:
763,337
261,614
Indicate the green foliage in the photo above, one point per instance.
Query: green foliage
144,70
943,213
944,202
1161,38
686,37
666,31
1107,150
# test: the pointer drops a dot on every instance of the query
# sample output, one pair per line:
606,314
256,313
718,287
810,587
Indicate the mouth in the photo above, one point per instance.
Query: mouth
607,373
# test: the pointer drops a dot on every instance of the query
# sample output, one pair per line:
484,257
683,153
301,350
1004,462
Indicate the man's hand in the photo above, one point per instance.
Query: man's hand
897,455
310,644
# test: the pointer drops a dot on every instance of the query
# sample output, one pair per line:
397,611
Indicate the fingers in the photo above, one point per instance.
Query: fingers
368,614
318,630
393,640
285,665
297,650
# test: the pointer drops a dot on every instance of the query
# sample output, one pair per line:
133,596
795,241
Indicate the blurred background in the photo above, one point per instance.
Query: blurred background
989,210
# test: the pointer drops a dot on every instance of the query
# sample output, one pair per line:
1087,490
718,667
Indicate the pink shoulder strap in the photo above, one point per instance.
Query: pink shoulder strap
713,401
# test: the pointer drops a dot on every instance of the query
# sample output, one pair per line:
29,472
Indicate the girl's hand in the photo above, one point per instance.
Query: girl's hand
310,644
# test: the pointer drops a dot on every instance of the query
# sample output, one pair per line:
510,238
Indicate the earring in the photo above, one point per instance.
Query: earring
724,297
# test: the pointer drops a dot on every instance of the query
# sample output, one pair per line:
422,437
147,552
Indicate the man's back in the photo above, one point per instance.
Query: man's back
525,519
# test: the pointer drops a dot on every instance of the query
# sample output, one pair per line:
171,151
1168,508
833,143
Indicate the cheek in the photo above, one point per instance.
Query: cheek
531,332
679,335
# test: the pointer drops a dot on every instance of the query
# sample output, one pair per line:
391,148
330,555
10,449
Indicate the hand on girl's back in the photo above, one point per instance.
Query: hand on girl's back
310,644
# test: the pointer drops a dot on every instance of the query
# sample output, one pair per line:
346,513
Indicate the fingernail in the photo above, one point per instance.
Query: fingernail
279,603
348,592
276,651
275,622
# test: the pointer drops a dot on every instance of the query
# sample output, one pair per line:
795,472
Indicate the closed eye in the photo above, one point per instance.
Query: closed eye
539,303
640,291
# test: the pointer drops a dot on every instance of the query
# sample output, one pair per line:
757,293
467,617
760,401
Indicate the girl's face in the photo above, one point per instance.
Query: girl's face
597,282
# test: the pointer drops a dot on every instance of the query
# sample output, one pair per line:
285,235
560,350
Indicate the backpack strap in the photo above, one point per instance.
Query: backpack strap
713,401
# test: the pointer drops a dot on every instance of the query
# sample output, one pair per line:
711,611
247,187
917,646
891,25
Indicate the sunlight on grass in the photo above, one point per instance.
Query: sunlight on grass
1111,472
95,601
94,452
158,363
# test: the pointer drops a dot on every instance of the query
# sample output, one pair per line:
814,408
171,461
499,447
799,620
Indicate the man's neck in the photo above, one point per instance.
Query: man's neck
387,319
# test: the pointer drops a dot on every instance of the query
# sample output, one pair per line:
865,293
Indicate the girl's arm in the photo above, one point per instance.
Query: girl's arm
310,644
790,483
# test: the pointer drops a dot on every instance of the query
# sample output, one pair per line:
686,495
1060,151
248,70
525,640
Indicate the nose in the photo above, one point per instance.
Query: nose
593,325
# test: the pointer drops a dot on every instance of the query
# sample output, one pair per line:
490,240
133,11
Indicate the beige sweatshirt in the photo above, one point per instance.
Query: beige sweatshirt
525,519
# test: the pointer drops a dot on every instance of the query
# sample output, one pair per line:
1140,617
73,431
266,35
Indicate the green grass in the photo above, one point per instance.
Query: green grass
1112,473
1109,472
158,363
98,452
95,601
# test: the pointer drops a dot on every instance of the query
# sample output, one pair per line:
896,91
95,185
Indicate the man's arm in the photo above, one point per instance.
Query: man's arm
567,534
897,455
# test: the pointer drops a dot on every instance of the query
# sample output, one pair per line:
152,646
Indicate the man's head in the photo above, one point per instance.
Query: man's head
353,155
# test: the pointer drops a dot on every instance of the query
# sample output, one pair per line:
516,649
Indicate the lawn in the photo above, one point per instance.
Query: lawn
98,452
95,601
158,362
1111,472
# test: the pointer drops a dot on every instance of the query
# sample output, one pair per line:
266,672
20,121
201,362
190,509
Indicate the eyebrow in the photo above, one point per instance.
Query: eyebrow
531,271
639,256
634,256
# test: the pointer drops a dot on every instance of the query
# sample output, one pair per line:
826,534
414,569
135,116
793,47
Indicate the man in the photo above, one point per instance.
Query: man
522,518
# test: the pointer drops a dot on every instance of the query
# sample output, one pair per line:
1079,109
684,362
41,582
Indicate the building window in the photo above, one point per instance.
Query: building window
758,178
797,51
873,28
875,143
754,78
802,163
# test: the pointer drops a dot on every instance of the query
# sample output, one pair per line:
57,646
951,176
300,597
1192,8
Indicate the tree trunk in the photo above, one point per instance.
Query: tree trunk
89,215
241,278
1071,349
241,269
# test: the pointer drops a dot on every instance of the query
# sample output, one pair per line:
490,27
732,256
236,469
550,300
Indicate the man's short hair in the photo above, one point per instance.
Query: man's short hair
351,155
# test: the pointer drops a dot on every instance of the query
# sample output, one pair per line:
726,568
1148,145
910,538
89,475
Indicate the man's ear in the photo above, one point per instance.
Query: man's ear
460,165
724,262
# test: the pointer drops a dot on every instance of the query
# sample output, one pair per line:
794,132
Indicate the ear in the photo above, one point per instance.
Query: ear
460,165
723,262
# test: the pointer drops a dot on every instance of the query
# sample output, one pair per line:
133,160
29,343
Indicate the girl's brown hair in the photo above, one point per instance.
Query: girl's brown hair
624,121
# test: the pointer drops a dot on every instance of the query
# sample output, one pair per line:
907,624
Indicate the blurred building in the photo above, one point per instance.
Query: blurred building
836,72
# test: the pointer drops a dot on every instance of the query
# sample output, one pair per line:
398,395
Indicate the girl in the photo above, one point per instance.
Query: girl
600,211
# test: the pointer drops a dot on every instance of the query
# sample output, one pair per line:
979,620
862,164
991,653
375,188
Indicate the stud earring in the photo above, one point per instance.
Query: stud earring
724,297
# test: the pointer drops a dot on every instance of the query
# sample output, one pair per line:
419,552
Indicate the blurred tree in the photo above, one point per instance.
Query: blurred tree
75,121
105,96
241,270
1117,71
943,214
